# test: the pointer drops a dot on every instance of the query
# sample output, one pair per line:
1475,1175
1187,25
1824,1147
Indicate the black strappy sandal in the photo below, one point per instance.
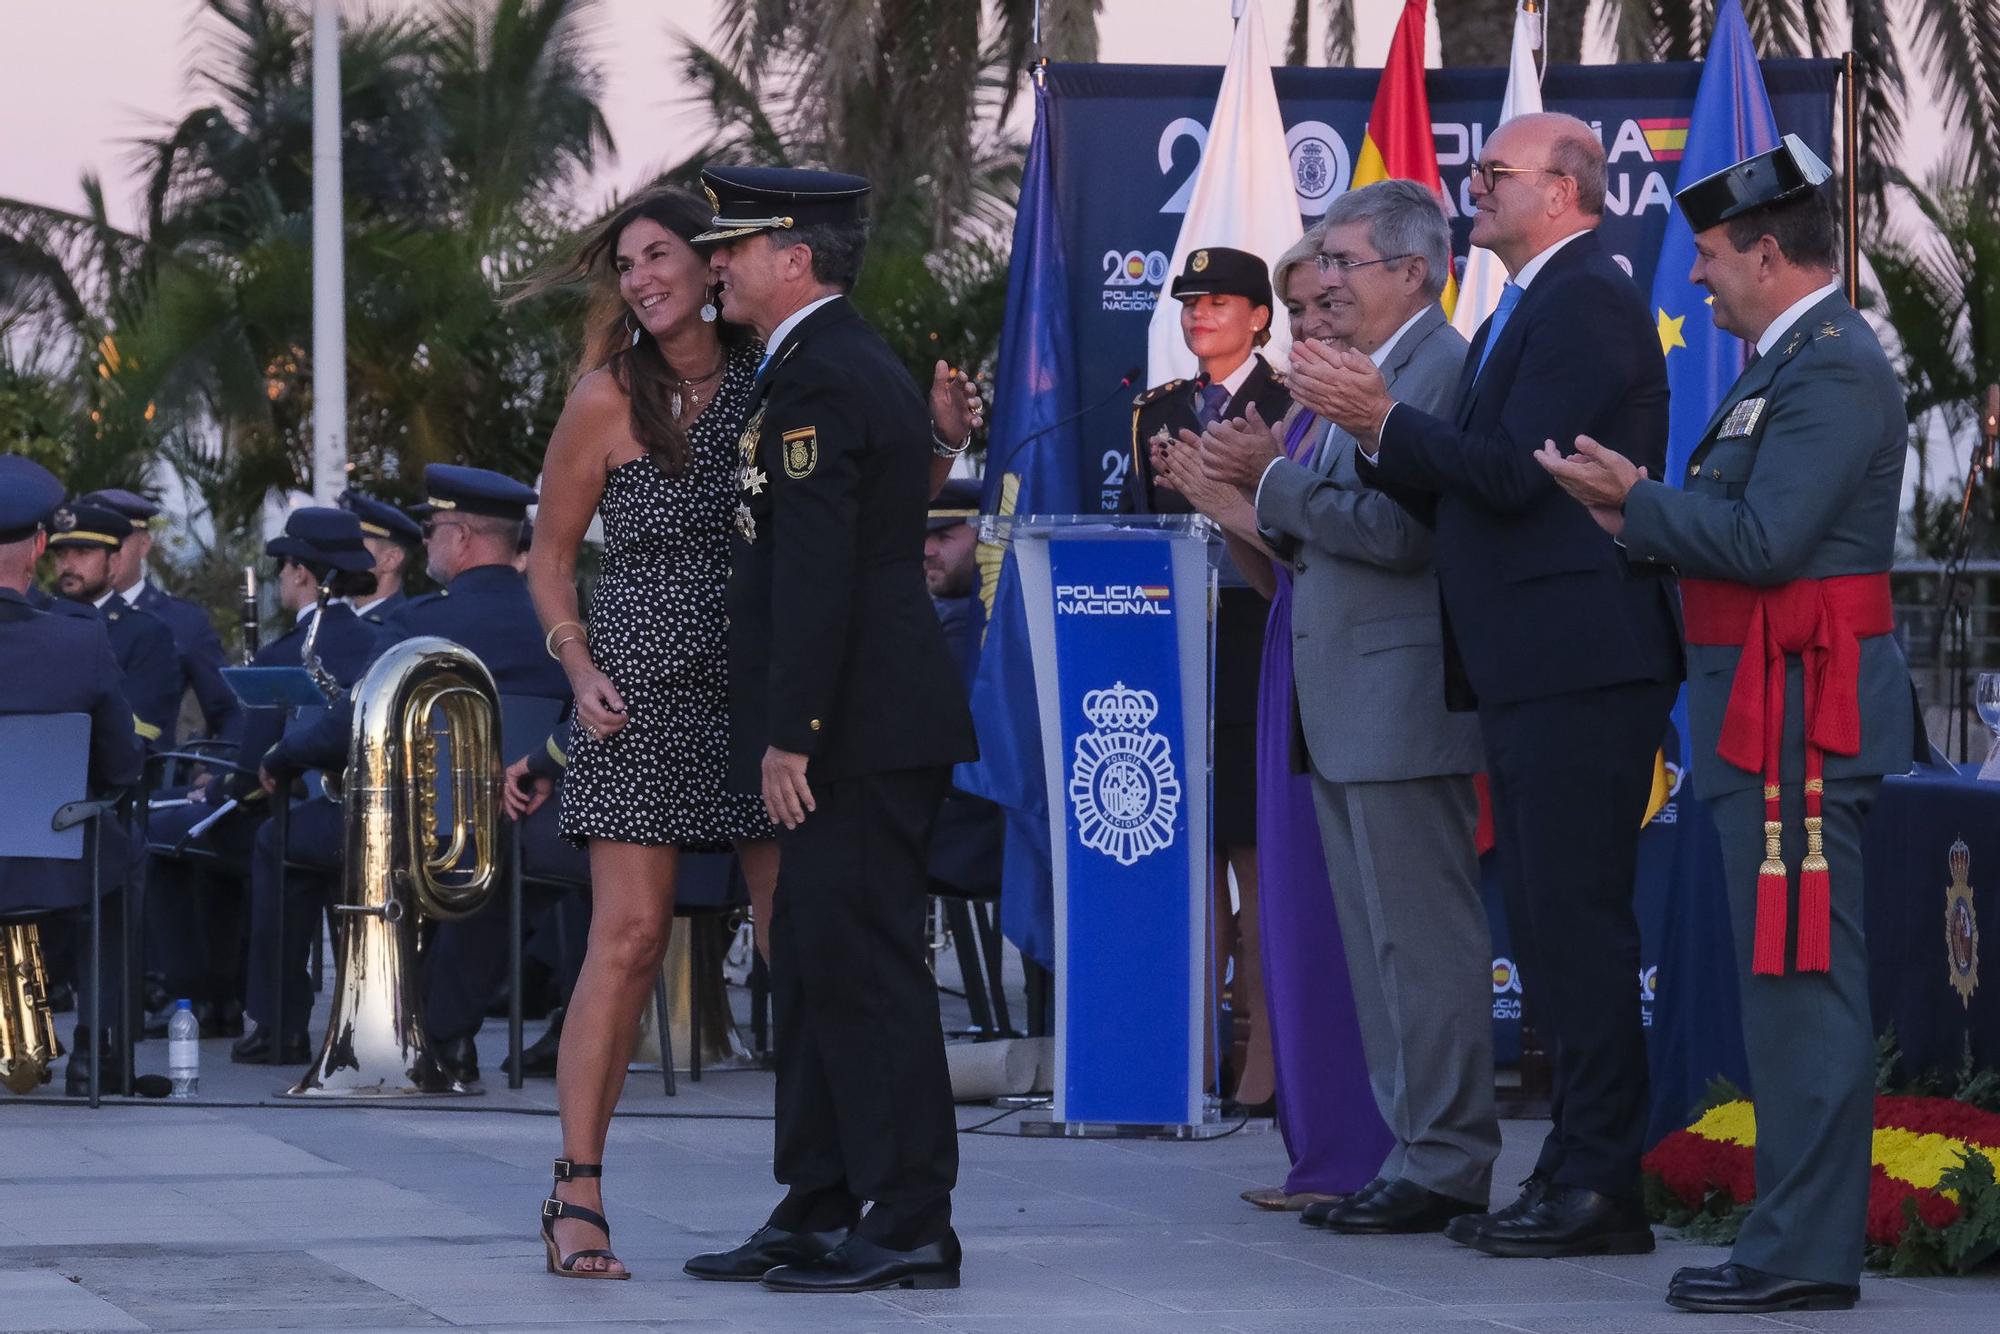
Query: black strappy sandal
553,1208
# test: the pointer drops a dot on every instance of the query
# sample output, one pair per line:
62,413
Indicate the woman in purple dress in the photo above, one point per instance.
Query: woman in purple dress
1333,1133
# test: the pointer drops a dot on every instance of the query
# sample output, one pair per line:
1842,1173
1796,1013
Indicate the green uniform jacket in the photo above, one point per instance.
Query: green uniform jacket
1807,486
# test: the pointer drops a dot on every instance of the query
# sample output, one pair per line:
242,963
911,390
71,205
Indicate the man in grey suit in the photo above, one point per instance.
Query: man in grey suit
1783,530
1391,768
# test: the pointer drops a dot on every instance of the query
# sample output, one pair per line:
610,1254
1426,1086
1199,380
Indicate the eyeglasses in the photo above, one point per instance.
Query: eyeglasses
431,527
1328,263
1486,172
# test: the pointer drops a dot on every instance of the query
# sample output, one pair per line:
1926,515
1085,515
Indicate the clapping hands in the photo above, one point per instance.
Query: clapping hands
1341,385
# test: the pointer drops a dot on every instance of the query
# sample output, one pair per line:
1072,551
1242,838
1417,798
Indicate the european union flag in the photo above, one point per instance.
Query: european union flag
1030,470
1697,1020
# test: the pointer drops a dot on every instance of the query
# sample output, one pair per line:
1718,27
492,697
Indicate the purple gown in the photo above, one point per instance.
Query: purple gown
1326,1110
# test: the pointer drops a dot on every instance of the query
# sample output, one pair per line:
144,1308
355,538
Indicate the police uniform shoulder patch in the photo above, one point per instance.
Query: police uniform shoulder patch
801,449
1158,391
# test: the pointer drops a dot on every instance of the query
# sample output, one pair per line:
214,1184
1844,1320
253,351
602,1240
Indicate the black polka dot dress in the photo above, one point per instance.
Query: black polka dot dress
657,630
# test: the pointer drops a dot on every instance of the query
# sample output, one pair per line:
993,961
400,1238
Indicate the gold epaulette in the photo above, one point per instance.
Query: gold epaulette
1158,391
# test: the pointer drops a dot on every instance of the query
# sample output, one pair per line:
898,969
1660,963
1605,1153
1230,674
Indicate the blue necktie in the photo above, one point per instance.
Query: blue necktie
1510,296
1214,399
761,365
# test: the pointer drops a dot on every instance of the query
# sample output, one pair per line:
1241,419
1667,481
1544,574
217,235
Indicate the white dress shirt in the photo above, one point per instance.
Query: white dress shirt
1795,312
791,322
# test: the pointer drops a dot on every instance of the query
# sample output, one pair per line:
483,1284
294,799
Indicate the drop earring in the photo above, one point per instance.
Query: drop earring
708,313
636,331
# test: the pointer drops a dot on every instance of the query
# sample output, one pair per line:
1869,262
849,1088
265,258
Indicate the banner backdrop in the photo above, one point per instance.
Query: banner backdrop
1126,139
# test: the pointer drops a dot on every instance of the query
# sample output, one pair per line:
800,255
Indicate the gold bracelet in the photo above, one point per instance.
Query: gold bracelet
556,653
549,640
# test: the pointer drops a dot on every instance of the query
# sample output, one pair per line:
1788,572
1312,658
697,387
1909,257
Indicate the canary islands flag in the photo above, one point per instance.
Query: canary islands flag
1399,145
1731,120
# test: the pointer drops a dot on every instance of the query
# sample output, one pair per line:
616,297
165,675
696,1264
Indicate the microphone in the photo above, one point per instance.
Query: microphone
1131,376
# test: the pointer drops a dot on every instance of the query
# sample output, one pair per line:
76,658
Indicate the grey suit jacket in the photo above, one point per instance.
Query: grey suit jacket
1367,640
1810,489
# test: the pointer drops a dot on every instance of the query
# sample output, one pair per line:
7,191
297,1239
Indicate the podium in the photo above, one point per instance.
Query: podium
1120,629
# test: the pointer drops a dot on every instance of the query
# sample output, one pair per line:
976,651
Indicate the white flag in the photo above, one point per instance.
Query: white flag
1243,196
1485,275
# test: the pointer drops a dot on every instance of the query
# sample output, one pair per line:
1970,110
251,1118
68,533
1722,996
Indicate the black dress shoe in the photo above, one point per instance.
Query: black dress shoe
1740,1290
769,1248
255,1049
458,1058
1315,1215
1399,1207
1233,1110
538,1058
859,1265
1569,1220
1461,1229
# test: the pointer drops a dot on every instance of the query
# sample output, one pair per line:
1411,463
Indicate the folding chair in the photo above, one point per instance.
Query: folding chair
43,808
524,721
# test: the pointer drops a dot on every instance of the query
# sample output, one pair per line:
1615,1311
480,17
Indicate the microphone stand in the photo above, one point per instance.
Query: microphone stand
1956,597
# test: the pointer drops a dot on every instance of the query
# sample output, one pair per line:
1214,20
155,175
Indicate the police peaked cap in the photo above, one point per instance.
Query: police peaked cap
1785,172
28,492
128,503
957,502
88,523
757,199
1220,271
450,488
322,538
381,519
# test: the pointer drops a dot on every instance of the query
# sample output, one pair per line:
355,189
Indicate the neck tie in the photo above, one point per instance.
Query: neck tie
1214,399
761,365
1510,296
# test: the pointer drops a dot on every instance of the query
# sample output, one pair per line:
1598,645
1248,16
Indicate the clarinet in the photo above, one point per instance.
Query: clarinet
250,629
309,659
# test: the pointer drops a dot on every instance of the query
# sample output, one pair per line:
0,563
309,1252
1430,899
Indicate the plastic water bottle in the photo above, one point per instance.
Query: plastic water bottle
184,1049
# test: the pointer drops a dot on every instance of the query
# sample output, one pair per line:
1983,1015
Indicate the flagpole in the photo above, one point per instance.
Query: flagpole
1851,154
329,277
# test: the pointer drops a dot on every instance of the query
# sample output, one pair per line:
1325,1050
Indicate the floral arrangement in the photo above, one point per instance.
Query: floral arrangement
1933,1204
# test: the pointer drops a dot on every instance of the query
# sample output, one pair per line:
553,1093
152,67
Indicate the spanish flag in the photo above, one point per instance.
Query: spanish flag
1398,145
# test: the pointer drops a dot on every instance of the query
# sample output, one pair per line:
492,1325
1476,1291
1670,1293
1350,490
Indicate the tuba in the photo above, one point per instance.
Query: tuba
27,1027
422,842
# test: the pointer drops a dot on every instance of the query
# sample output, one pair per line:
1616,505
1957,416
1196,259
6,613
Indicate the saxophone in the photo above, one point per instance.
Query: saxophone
28,1046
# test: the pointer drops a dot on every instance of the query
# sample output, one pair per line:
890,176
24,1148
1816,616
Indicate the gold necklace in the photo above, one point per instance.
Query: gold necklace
687,386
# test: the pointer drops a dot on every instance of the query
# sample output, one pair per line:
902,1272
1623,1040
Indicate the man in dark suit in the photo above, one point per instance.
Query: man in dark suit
52,663
85,547
472,520
195,640
395,541
1570,655
846,710
1783,531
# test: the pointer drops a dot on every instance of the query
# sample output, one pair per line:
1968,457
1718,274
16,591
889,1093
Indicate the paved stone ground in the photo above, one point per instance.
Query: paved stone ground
244,1212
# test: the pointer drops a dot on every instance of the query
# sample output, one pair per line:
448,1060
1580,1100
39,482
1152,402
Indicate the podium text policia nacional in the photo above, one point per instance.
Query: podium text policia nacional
1120,629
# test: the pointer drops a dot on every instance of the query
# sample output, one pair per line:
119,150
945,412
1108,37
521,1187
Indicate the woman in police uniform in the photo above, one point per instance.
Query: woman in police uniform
1226,306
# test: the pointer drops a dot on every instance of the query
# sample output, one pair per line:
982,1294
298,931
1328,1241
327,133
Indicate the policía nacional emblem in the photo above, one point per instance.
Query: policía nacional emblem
1961,925
1199,262
1123,786
801,452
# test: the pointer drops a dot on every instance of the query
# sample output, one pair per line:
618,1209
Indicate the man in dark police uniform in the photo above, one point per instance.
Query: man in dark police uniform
393,539
846,710
86,544
51,663
1783,533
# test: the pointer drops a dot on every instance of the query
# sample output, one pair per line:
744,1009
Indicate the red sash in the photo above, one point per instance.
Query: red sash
1821,622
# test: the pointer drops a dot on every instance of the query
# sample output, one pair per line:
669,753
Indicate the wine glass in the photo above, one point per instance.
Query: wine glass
1986,698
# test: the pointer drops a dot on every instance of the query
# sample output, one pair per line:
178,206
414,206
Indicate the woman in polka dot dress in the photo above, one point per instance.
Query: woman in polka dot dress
648,441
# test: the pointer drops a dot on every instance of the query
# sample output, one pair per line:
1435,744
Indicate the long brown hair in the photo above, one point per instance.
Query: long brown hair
638,366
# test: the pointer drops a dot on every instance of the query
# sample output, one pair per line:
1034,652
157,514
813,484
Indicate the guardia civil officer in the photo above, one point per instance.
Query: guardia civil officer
845,707
52,663
195,640
1226,308
85,547
1783,531
472,519
396,542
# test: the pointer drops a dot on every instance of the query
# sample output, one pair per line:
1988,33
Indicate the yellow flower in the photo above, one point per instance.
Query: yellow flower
1730,1123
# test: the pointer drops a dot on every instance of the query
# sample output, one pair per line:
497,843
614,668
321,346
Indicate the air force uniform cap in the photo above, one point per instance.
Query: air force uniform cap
451,488
1220,271
85,523
28,492
381,519
128,503
1785,172
957,502
322,537
757,199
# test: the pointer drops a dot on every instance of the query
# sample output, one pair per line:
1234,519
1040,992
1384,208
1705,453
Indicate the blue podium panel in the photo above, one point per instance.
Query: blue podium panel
1119,624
